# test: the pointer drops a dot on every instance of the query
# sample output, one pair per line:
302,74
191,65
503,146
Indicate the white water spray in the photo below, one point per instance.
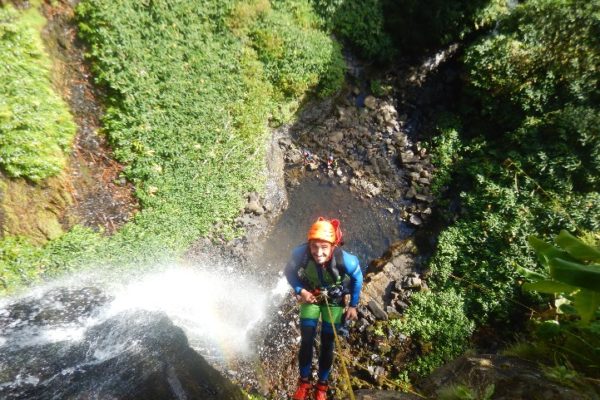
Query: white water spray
216,307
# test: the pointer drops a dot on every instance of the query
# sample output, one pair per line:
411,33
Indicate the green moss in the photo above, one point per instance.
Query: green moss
33,211
36,129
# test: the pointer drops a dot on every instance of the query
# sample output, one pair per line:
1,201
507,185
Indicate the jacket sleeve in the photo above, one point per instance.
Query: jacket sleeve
292,267
356,277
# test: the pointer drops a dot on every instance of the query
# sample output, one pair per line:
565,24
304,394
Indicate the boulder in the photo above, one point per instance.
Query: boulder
412,281
415,220
410,193
512,378
407,157
254,207
371,102
377,310
336,137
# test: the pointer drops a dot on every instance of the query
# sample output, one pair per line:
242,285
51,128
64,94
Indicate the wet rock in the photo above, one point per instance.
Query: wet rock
285,142
400,305
412,281
371,102
414,176
416,167
377,310
404,214
392,312
313,166
512,378
133,355
415,220
400,139
407,157
336,137
346,116
377,373
254,208
361,324
401,262
422,197
61,306
294,156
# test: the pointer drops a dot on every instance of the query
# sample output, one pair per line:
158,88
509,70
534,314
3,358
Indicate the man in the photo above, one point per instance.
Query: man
316,272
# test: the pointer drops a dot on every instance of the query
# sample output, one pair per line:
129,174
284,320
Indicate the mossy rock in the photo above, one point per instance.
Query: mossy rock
35,211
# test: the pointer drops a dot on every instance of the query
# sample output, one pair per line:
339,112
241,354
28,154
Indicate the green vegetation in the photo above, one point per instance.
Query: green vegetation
417,26
464,392
360,23
36,129
527,157
521,153
298,57
379,30
569,333
437,322
191,91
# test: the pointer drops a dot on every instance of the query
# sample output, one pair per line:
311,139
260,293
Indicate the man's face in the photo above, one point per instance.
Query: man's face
320,250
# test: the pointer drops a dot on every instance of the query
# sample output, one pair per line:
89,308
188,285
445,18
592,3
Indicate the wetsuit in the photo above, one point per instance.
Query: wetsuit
302,272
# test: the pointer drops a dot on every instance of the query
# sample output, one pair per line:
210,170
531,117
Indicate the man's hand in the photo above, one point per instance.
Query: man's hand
306,297
351,314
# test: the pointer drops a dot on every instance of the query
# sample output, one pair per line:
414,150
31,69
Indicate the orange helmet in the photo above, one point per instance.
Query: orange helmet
327,230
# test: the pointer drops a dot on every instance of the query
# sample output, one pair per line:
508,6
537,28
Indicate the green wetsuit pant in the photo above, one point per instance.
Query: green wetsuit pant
309,319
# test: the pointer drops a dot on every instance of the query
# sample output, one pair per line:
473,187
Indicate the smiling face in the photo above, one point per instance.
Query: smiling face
320,250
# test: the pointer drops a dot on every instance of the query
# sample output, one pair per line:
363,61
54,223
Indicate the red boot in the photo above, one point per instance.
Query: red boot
303,390
321,391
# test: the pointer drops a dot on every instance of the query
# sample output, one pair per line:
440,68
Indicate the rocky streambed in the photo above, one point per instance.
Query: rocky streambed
353,158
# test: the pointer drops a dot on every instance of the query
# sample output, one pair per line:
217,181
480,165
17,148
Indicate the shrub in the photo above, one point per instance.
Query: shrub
418,26
436,321
360,23
16,258
445,151
534,64
570,330
36,129
297,58
527,159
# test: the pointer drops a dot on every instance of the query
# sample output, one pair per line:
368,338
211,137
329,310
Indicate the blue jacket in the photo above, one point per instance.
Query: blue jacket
349,266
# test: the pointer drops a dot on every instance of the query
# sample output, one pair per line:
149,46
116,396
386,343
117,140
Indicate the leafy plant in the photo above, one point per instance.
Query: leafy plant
571,272
446,145
296,58
36,128
464,392
361,24
437,322
572,269
537,64
417,26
